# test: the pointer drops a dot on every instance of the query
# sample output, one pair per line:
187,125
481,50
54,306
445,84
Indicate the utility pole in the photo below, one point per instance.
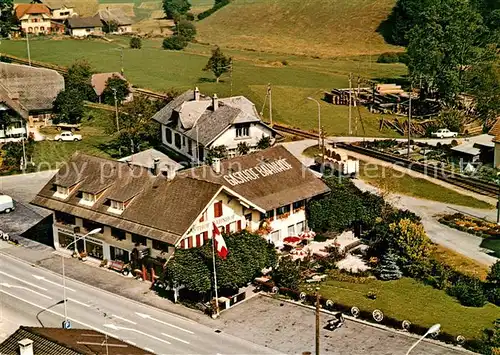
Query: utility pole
28,47
116,110
409,121
323,135
231,75
270,104
24,152
122,70
317,320
350,103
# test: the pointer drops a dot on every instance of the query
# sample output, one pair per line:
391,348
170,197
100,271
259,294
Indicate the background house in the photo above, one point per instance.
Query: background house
118,17
33,18
194,120
34,88
99,81
81,7
84,26
61,12
48,341
13,116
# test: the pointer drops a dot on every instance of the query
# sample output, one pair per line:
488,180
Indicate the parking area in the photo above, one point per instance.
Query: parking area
291,329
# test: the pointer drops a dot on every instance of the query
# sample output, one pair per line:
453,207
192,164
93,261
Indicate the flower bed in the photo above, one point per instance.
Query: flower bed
476,226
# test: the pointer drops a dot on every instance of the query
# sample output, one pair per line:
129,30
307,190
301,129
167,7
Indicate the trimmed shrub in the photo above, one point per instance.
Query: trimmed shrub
469,293
175,43
493,295
135,43
388,57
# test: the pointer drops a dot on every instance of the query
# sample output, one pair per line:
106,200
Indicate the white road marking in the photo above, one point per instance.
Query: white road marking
123,319
150,350
4,284
20,280
76,301
169,336
59,314
52,282
147,316
115,327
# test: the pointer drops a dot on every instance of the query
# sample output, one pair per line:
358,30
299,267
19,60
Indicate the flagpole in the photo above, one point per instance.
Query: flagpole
215,275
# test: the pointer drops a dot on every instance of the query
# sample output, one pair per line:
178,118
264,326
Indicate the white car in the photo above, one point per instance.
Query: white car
444,133
68,137
6,204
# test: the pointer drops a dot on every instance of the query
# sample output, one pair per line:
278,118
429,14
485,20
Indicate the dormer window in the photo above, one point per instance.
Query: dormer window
61,192
88,199
242,130
116,207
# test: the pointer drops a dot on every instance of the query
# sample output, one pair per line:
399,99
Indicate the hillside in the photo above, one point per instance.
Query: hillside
324,28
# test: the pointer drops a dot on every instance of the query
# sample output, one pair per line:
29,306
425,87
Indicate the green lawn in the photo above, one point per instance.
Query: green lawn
492,244
48,154
157,69
395,181
407,299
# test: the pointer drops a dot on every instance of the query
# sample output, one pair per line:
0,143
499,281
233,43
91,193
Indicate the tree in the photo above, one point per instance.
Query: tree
388,268
484,83
68,106
494,274
453,119
110,27
136,126
186,29
175,8
410,241
174,42
243,148
264,142
469,292
6,17
219,151
12,153
445,42
78,80
287,274
135,43
218,63
122,90
189,268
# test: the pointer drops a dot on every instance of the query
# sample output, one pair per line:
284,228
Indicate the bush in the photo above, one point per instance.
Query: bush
494,274
176,43
185,29
287,274
493,295
218,5
388,269
469,292
388,57
135,43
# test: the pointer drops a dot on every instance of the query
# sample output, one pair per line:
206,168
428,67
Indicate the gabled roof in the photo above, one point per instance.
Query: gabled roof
7,98
99,81
37,87
116,15
31,9
269,178
157,205
58,341
81,7
146,159
199,121
84,22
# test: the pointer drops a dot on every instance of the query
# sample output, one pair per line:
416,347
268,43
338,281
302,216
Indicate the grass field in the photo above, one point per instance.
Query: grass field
323,28
411,300
492,244
157,69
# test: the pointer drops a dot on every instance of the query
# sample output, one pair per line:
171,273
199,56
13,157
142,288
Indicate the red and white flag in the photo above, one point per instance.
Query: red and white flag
220,244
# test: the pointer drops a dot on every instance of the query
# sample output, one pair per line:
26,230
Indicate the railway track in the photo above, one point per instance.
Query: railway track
474,185
295,131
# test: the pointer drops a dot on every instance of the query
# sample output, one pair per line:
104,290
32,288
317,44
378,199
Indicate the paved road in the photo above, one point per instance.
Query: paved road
26,290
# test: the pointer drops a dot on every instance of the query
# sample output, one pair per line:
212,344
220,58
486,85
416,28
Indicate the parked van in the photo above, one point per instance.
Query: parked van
6,204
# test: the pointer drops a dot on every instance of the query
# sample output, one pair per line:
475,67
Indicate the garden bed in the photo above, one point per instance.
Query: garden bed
472,225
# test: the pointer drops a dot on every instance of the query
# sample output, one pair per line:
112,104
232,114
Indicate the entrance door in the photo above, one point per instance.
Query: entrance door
80,245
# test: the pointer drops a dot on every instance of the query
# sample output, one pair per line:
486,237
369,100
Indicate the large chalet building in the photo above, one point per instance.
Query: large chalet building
143,207
193,123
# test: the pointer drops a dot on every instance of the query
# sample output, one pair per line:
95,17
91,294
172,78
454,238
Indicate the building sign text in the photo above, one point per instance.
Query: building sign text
258,171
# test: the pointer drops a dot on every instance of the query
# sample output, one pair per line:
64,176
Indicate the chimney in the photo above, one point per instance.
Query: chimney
26,347
216,165
169,173
196,94
215,102
156,166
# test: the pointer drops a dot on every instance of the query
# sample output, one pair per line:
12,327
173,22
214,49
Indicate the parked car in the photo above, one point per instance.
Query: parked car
6,204
68,137
444,133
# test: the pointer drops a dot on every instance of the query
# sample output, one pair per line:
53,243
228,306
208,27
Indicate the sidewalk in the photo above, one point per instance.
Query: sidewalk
108,280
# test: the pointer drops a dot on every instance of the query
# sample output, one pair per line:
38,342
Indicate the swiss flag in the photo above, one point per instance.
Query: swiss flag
220,244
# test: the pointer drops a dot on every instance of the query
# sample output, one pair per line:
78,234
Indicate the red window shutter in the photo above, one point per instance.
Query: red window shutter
199,241
205,235
238,226
228,228
190,242
218,209
183,244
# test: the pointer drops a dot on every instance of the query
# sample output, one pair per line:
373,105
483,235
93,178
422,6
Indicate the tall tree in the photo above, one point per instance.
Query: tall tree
6,17
175,8
218,63
78,78
388,268
484,83
68,106
186,29
122,90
